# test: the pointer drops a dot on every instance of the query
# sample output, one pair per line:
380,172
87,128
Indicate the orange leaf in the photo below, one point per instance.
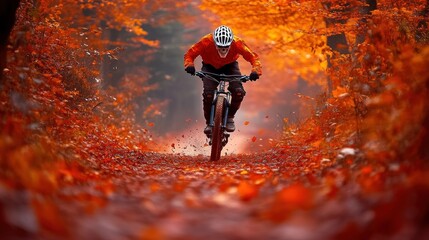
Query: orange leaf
154,187
247,191
296,196
152,232
366,170
49,217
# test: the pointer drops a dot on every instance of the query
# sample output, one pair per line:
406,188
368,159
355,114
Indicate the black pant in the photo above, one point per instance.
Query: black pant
236,88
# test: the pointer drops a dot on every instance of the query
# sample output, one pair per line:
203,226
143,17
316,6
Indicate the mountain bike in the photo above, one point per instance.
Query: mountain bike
219,110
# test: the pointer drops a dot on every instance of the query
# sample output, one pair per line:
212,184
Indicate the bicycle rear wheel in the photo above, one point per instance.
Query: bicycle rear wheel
217,133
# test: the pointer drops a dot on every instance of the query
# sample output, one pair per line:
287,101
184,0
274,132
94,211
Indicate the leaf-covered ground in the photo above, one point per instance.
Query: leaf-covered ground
271,195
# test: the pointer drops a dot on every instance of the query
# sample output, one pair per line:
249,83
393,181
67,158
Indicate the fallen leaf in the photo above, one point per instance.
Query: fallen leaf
247,191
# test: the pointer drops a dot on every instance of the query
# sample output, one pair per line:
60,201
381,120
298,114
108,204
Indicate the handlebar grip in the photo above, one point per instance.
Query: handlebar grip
244,78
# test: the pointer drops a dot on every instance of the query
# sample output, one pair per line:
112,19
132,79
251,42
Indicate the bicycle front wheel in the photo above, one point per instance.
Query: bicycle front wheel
217,133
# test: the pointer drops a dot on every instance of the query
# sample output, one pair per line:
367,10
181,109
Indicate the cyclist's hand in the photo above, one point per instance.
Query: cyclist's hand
190,70
253,76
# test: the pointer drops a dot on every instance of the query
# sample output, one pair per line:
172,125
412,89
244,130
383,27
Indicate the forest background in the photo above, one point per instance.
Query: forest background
345,87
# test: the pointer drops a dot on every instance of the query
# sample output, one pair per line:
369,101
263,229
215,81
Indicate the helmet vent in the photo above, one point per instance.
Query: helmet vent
223,36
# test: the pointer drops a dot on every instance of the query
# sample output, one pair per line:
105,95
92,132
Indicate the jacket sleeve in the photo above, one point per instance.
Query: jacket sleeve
193,52
251,57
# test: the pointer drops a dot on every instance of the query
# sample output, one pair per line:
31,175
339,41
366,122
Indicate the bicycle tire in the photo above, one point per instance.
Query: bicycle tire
217,133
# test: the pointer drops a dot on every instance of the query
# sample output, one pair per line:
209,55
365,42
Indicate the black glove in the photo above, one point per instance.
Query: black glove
253,76
190,70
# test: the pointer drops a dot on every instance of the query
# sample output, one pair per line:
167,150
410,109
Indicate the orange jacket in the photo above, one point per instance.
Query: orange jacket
207,49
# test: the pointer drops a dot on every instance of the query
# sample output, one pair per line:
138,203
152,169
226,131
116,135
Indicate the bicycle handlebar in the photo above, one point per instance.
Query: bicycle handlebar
223,77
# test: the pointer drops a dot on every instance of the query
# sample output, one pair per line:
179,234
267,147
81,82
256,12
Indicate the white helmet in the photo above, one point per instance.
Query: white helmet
223,36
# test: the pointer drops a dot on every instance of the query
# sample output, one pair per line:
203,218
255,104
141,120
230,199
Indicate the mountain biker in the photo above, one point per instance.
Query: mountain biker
219,51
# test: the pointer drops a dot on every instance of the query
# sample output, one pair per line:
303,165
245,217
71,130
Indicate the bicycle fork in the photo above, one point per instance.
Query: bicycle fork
226,108
227,104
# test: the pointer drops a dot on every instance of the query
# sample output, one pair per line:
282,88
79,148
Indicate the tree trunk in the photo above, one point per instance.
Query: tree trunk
337,42
422,34
7,15
366,12
113,70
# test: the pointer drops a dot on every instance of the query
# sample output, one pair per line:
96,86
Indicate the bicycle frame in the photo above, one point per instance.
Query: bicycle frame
221,79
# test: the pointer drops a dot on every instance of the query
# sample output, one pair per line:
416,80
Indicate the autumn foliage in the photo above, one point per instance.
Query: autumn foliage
78,164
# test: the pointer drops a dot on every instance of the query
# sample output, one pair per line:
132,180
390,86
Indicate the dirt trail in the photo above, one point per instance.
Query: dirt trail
261,196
